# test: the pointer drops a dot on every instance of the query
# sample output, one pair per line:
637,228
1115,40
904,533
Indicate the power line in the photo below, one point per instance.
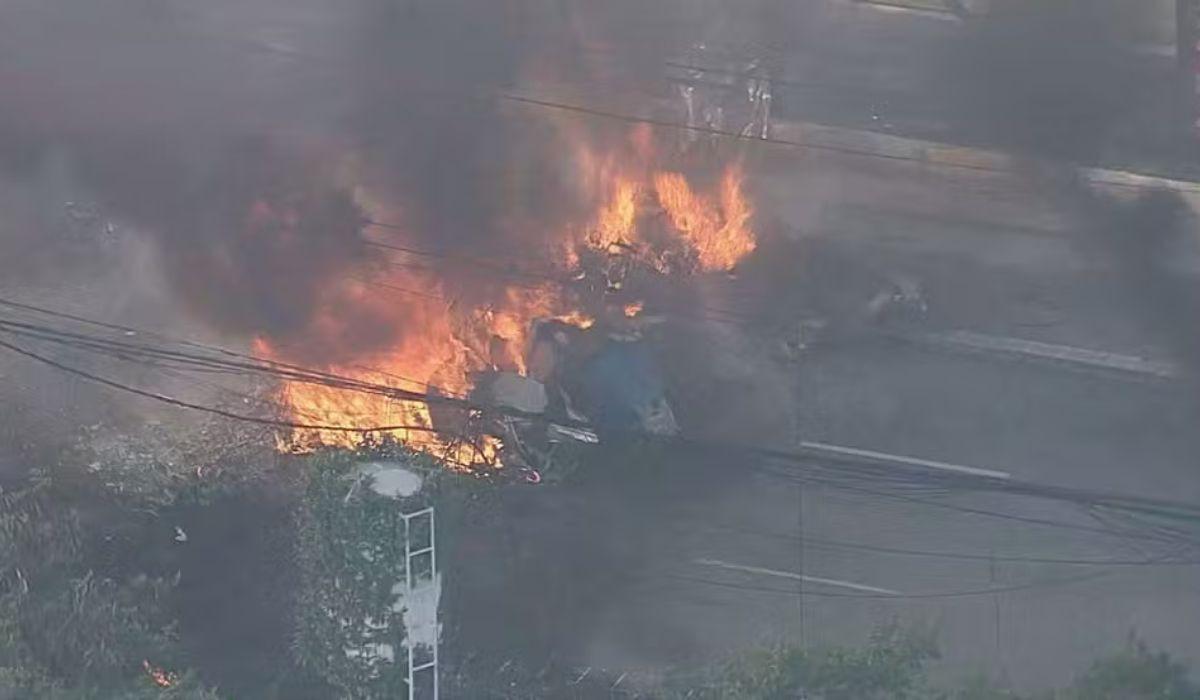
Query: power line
751,72
848,469
1050,583
258,362
984,512
170,400
710,313
711,582
1078,496
426,428
706,313
131,352
606,114
736,136
1011,486
465,258
933,554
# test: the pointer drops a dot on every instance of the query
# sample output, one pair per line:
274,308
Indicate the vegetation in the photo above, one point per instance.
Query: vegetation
67,631
893,666
1135,673
350,630
90,610
890,667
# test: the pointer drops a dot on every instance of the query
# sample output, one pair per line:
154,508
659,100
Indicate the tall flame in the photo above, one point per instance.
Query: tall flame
718,230
446,341
714,226
617,220
161,677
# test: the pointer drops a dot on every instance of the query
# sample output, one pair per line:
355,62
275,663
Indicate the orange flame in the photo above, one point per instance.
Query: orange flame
161,677
715,226
617,221
446,341
718,231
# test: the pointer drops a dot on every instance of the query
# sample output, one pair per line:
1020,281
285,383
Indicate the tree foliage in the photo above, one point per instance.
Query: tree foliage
350,630
1135,673
890,667
67,631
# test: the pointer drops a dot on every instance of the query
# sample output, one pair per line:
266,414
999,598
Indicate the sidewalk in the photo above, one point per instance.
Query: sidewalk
933,153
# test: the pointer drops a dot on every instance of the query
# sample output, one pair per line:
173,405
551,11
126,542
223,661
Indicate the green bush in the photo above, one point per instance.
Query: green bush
351,549
66,631
890,667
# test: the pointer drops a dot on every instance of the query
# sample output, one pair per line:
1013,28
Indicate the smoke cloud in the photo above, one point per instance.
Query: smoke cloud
1049,77
218,129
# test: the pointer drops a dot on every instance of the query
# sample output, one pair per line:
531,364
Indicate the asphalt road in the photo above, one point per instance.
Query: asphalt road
1038,81
664,567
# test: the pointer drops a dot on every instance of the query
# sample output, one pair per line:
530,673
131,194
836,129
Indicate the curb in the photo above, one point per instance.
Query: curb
947,155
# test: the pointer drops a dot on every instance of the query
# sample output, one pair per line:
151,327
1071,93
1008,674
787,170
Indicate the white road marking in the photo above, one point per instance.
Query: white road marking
1048,351
796,577
906,461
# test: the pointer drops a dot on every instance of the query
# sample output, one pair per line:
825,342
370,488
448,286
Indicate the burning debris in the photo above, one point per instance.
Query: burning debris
562,345
161,677
399,229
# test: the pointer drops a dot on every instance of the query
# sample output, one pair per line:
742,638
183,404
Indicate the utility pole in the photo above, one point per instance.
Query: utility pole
995,599
800,560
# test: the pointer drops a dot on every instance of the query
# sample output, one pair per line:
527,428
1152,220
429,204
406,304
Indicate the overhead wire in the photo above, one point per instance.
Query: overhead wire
720,133
173,401
695,311
130,331
1032,585
125,350
1012,486
196,364
847,476
970,510
834,544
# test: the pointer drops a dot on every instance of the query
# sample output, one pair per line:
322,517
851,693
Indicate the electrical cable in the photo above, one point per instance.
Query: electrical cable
932,554
816,473
1063,581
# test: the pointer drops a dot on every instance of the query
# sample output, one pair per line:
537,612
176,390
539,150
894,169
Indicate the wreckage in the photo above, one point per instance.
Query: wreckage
583,385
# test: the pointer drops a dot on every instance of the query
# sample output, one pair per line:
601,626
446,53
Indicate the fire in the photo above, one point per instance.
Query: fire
719,230
161,677
345,417
451,342
713,226
641,210
616,223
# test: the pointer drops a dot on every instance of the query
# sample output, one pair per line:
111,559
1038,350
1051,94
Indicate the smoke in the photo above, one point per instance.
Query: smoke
1140,236
1049,77
219,130
1060,80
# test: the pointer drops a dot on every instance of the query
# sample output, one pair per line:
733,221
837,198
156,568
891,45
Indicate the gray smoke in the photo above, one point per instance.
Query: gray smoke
210,127
1049,77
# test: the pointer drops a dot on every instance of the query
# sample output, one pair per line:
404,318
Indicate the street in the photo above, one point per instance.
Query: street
701,560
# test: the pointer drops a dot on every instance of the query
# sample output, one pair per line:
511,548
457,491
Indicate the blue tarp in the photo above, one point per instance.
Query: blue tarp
619,385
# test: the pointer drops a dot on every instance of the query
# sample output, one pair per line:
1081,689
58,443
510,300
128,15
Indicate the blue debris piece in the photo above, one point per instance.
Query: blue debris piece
622,390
